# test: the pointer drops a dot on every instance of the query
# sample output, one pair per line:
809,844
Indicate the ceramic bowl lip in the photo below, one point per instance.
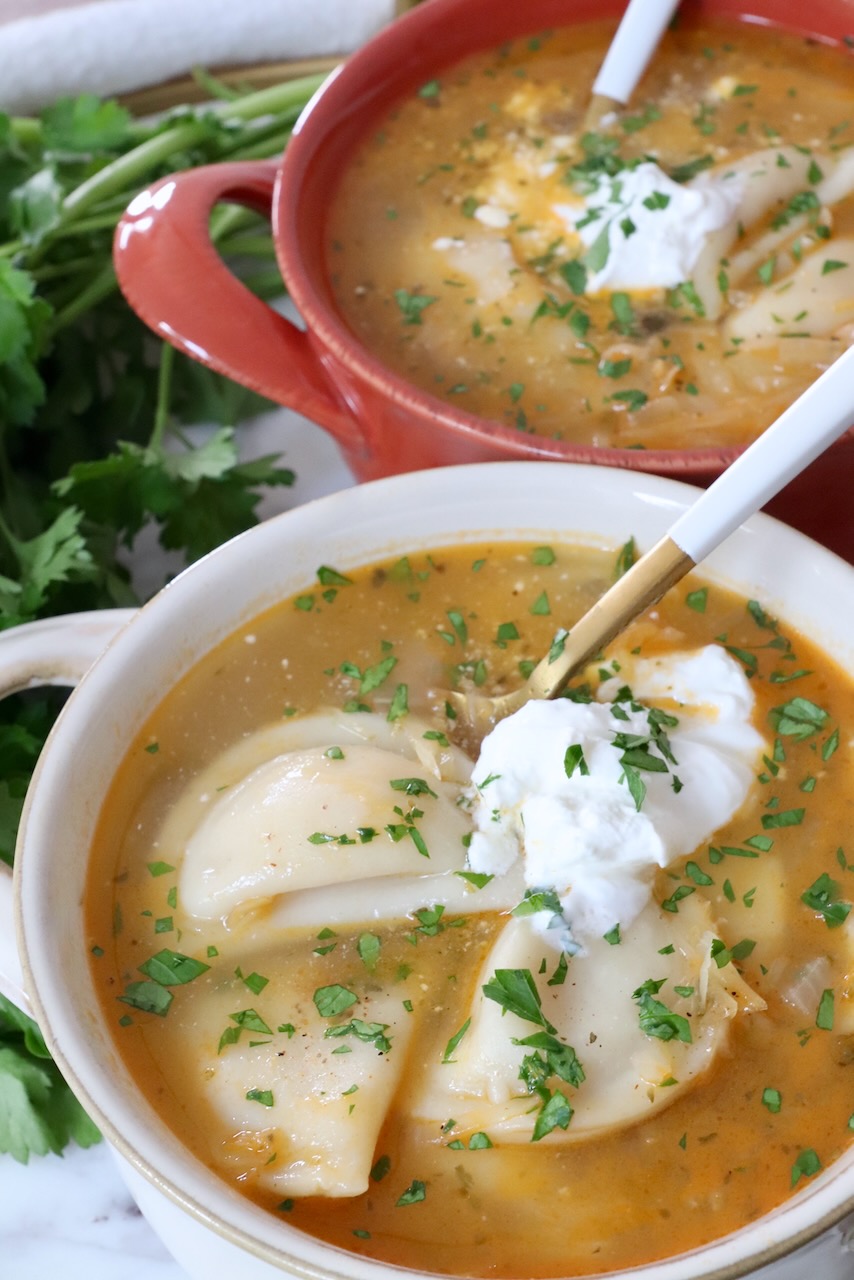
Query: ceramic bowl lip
137,1134
329,105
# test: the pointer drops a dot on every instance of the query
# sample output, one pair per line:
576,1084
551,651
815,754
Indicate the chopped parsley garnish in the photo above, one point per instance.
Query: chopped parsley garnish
150,997
782,818
430,922
368,1032
799,719
806,1165
264,1096
626,557
172,969
245,1020
399,706
415,1192
538,900
684,172
478,879
574,759
329,577
332,1000
825,1014
655,1018
373,677
516,992
455,1039
412,305
159,868
368,947
823,897
633,399
412,787
723,955
256,982
543,556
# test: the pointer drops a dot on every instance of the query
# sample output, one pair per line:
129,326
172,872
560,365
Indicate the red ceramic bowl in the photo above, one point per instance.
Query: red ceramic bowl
172,276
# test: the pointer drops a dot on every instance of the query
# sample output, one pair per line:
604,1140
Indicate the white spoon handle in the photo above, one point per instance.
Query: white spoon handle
638,34
798,436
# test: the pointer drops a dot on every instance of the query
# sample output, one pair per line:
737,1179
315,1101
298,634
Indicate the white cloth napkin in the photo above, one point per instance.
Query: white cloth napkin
115,46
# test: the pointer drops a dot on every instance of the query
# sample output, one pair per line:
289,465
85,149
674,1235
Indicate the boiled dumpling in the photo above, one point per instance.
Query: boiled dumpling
596,1010
809,298
309,1095
326,800
767,180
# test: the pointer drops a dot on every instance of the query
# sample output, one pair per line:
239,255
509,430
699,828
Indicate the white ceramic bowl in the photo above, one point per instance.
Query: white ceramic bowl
209,1227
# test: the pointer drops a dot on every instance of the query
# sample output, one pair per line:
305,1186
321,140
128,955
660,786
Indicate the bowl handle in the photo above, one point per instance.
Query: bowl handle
172,275
52,651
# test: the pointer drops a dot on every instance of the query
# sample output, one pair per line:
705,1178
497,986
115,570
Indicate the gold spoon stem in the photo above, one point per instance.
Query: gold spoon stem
644,584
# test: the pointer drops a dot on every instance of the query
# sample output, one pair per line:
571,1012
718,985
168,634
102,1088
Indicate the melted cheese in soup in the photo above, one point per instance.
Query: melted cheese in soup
673,278
379,986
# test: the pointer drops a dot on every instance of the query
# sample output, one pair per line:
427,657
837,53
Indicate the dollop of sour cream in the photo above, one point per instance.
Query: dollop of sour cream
593,797
642,230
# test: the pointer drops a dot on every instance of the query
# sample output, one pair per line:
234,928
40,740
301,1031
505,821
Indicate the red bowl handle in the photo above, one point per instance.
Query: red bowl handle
172,276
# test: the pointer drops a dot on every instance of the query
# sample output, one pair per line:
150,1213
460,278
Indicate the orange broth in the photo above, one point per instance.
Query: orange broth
774,1108
493,318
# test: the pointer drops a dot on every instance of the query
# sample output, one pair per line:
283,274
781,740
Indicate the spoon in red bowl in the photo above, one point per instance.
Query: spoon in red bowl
641,28
799,435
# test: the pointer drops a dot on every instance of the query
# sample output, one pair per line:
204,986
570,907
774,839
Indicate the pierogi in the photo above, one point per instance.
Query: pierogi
380,980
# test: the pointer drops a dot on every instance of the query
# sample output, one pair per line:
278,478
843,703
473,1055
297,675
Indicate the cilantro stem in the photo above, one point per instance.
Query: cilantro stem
278,98
164,387
270,145
250,244
228,218
129,169
26,130
103,284
57,270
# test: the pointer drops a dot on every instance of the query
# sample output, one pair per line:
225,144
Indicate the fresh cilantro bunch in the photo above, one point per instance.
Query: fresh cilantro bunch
94,411
38,1112
91,403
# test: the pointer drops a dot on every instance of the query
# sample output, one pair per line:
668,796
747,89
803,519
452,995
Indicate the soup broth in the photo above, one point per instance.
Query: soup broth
224,1008
494,248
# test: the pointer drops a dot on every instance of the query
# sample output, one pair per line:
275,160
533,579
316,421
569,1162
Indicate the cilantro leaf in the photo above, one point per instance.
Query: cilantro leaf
656,1019
823,897
38,1113
86,124
799,718
516,991
556,1114
56,555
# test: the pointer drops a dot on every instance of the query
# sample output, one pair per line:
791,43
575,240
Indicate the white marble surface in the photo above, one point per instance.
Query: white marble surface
72,1217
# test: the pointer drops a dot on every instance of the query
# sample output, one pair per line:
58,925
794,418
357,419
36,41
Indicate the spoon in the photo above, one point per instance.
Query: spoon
641,28
799,435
